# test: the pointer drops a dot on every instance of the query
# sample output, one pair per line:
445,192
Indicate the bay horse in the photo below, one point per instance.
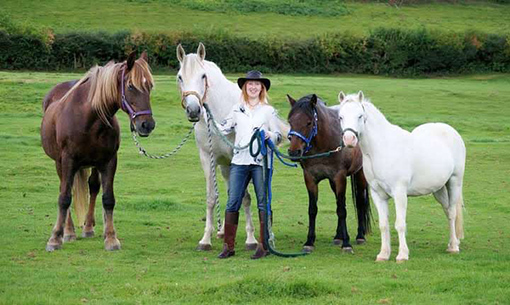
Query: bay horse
315,128
399,163
201,81
79,131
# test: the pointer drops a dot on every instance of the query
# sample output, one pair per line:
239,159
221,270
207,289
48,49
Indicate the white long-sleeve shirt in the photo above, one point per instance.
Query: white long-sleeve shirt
244,121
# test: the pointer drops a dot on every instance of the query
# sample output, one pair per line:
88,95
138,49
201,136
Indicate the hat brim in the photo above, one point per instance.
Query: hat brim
265,81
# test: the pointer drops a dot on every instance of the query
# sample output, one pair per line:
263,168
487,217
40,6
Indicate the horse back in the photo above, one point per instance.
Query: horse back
56,93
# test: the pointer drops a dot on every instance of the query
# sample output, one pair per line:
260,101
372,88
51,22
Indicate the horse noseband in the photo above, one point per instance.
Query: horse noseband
125,105
308,139
351,130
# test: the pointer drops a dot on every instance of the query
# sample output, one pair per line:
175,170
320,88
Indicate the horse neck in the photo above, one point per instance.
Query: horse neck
379,133
222,94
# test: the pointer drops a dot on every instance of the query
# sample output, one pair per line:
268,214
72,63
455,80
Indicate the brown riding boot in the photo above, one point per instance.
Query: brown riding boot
231,221
261,251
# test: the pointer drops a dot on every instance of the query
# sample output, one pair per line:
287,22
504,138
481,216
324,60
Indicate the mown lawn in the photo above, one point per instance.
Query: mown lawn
169,16
160,206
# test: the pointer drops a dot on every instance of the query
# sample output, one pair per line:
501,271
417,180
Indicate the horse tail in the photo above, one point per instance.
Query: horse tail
361,200
459,218
81,195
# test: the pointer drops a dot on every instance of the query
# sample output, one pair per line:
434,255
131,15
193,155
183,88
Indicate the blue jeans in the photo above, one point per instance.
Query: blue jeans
240,176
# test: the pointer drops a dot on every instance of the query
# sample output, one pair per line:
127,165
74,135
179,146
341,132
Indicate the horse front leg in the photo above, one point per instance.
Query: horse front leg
66,171
339,186
205,243
107,175
381,204
251,241
90,221
313,195
400,198
69,232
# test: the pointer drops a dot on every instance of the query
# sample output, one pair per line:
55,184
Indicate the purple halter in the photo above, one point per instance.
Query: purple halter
125,105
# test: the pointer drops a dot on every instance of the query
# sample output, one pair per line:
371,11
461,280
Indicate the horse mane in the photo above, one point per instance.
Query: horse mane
104,90
304,105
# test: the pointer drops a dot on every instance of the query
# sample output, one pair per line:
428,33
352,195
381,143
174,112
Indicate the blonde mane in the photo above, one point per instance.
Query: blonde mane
104,90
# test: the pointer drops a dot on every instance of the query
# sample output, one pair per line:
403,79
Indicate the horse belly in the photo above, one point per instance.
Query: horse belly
433,162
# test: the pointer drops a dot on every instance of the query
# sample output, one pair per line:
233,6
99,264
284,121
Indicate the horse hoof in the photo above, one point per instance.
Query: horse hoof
337,242
348,250
220,235
381,259
112,245
69,238
360,241
204,247
53,247
251,247
401,261
308,249
87,234
453,251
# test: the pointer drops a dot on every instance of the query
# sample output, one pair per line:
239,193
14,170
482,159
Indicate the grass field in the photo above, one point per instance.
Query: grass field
167,16
160,206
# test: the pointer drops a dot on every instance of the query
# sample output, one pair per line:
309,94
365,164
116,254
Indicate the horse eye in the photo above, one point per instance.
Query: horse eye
203,76
179,78
130,87
309,123
360,116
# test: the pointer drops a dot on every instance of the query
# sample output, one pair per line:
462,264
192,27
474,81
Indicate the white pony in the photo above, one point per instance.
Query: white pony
398,163
201,81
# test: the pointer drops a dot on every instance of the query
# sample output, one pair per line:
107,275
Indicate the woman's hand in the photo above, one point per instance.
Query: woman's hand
268,134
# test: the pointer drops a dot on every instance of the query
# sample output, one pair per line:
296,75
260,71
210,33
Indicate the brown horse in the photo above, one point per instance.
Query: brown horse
79,131
315,129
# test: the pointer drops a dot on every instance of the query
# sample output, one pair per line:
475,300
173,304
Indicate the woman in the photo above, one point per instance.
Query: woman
252,113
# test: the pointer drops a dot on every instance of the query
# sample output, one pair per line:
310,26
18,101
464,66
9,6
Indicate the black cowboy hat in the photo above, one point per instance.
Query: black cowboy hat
254,75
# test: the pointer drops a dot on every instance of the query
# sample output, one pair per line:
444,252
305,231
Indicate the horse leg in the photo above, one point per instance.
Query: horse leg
69,233
400,198
66,171
454,214
381,204
107,175
205,243
313,195
90,222
362,201
251,242
338,186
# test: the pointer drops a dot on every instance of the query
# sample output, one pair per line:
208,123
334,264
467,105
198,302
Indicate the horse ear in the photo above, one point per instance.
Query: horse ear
291,100
313,100
201,51
341,97
144,56
131,61
180,53
360,96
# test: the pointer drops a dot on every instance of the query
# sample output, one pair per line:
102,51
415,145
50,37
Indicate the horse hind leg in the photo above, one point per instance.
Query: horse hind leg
90,221
454,214
361,199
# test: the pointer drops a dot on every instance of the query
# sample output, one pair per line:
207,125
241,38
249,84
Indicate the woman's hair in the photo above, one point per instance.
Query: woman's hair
263,96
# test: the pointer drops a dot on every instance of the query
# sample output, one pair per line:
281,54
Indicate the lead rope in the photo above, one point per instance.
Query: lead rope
144,152
213,172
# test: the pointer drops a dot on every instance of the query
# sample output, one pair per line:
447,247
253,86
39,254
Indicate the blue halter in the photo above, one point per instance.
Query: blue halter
308,139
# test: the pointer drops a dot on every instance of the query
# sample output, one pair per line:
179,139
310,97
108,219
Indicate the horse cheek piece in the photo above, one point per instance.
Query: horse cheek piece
81,114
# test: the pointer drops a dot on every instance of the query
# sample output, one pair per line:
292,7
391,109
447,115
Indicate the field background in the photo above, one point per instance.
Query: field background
160,204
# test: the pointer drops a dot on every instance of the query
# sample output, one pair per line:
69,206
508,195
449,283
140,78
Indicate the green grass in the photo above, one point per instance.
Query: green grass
163,16
160,206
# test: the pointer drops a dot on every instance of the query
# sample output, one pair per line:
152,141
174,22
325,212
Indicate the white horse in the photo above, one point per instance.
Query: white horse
201,81
398,163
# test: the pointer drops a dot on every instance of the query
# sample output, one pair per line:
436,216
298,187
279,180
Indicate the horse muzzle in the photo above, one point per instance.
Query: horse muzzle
350,139
295,154
144,127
